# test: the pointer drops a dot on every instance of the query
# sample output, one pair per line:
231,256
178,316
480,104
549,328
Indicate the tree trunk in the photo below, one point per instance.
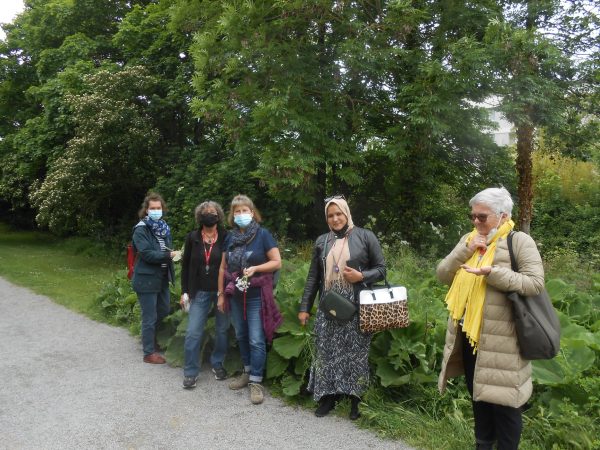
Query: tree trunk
525,175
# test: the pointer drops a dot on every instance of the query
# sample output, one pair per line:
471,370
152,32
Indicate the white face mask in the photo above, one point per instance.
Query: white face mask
494,230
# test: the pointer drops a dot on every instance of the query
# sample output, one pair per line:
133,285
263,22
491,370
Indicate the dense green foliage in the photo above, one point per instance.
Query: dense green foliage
563,411
286,101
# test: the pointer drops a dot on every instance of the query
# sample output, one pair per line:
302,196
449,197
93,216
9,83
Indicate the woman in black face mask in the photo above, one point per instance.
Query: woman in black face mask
199,275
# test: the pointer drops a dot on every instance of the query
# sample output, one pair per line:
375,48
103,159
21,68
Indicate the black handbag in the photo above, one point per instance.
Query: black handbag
333,304
337,307
536,322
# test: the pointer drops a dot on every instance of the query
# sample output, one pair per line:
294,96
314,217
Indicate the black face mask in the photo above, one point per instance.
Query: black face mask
209,219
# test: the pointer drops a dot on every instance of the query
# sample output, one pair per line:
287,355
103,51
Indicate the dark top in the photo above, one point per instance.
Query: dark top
364,249
193,263
256,254
148,271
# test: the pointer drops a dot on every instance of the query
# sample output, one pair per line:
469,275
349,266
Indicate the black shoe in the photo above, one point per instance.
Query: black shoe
326,404
354,412
220,373
189,382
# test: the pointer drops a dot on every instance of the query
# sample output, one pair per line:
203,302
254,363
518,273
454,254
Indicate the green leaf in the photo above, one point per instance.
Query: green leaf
548,372
276,365
302,364
174,354
557,289
291,385
578,356
289,346
389,376
573,332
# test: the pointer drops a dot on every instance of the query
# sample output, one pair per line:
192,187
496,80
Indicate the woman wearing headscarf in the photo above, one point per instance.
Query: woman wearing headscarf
200,265
344,260
481,340
153,271
250,257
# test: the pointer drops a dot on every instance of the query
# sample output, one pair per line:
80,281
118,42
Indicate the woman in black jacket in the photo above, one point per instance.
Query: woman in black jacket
199,281
344,260
153,271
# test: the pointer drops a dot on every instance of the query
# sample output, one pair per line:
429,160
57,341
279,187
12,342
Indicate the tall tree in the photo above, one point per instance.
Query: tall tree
533,77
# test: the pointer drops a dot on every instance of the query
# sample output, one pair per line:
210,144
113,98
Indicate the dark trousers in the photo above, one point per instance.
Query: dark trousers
492,422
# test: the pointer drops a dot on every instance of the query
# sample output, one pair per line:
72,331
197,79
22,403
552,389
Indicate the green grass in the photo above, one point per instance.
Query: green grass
70,271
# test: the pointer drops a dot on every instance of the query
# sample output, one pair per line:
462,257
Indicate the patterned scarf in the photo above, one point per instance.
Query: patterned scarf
338,252
159,228
466,296
237,247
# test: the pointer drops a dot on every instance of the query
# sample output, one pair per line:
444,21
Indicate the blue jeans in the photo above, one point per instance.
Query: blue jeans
201,305
250,335
155,307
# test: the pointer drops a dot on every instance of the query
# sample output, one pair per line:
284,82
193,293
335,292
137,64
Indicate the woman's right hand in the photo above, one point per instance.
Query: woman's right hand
181,300
303,318
478,242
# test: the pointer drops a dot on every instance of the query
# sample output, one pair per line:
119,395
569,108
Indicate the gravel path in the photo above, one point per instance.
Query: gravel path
69,382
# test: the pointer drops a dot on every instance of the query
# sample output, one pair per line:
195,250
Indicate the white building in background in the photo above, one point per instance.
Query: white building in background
503,132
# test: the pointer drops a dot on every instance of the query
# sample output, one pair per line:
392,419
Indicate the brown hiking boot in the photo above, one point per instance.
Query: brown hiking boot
154,358
240,382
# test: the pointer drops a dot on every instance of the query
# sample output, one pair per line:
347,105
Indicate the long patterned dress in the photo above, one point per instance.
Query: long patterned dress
341,364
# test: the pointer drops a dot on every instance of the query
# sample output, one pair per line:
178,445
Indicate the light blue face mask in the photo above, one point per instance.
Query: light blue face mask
242,220
155,214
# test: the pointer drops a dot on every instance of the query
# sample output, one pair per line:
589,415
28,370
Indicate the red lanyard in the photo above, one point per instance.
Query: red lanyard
207,253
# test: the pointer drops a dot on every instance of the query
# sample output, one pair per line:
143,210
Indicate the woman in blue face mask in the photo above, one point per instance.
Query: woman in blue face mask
249,259
153,271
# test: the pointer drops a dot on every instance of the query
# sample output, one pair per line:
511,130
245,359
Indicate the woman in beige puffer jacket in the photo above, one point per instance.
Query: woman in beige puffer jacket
498,379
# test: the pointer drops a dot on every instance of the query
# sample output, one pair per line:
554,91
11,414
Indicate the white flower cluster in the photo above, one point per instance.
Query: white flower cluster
242,283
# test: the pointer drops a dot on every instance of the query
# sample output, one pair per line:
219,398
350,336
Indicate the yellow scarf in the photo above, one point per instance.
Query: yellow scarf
467,293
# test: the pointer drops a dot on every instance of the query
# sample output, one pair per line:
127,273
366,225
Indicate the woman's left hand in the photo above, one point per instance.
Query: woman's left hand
352,275
221,303
477,270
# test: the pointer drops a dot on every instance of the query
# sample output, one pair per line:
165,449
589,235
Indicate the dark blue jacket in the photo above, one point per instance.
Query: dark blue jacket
148,273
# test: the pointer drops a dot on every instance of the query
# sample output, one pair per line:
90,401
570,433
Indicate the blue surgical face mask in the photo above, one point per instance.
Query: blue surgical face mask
242,220
155,214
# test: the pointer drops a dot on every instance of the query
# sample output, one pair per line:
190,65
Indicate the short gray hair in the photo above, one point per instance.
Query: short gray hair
497,199
209,204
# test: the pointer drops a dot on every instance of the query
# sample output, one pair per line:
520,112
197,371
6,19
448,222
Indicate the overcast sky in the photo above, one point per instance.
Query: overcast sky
8,10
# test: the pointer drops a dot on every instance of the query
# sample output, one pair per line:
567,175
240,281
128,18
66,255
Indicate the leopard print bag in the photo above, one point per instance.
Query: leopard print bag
382,308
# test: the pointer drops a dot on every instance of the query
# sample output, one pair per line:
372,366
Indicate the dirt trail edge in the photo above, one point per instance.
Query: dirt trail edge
68,382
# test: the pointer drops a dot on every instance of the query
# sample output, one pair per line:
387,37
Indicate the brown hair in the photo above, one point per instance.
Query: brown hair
209,204
151,197
242,200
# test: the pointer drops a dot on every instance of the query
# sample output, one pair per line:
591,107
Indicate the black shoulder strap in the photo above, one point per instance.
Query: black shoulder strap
513,262
324,256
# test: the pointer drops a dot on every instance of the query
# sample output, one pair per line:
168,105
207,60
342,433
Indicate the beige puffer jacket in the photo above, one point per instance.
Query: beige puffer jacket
501,376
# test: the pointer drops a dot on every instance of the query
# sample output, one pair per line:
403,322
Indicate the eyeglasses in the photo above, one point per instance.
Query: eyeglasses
335,197
481,217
